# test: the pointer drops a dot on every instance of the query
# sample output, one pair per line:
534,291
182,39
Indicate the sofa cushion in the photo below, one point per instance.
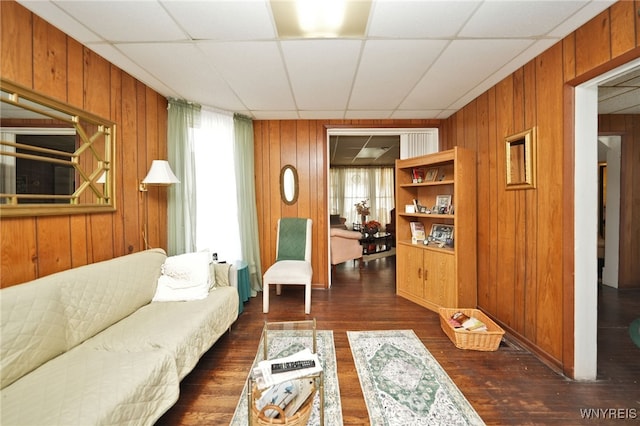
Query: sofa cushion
89,387
33,328
98,295
184,329
184,277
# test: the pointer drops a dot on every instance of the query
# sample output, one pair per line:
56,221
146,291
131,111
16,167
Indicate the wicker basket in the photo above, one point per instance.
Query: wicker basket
300,418
476,340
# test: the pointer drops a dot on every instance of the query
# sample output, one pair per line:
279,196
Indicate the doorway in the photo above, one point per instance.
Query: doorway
412,142
586,223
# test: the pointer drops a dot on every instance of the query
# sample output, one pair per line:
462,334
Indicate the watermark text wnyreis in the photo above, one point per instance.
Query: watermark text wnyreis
609,413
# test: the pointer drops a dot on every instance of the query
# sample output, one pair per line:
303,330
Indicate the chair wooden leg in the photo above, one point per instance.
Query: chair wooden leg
307,298
265,298
278,289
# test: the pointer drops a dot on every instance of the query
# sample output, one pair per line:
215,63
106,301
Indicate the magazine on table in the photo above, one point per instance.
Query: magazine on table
264,377
289,396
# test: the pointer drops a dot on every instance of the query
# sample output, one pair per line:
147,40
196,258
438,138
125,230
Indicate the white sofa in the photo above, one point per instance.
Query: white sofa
87,346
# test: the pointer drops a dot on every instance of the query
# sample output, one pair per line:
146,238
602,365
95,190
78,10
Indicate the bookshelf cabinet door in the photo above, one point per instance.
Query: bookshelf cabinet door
410,271
439,287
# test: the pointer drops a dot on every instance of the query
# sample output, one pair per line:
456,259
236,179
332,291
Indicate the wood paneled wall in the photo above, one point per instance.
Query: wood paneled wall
303,144
525,237
628,127
35,54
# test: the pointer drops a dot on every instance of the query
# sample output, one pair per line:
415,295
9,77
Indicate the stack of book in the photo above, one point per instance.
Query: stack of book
460,320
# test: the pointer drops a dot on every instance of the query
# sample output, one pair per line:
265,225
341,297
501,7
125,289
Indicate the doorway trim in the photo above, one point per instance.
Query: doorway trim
585,278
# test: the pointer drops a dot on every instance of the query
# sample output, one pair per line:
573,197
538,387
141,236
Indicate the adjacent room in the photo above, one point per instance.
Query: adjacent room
345,212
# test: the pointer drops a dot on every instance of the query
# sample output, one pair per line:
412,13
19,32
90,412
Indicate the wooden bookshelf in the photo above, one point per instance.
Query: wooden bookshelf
443,272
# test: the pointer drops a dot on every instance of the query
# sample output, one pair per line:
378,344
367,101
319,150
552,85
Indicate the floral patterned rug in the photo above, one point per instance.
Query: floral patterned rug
287,342
403,384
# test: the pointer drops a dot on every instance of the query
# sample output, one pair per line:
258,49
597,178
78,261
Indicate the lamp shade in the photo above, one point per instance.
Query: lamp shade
160,173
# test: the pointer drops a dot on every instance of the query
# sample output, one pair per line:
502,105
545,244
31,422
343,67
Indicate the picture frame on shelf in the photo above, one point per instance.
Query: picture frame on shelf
443,204
441,233
431,174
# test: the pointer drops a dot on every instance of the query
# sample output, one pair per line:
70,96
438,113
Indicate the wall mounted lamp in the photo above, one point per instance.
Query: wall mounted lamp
160,174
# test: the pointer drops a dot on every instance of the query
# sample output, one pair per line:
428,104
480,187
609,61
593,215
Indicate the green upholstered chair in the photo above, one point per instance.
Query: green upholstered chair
293,260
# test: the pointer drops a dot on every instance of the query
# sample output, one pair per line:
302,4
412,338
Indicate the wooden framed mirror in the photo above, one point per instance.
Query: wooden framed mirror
54,158
289,184
521,160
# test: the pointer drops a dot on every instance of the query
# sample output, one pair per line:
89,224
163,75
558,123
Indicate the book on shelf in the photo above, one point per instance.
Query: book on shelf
417,232
264,378
417,175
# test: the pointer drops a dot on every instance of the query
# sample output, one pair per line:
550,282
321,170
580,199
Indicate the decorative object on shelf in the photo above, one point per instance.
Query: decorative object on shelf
431,175
443,204
417,232
363,210
418,175
441,235
372,227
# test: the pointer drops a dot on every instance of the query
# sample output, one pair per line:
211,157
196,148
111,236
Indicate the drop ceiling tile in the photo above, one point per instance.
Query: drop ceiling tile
353,114
60,19
321,115
423,114
606,93
122,21
449,79
321,71
620,103
219,20
419,19
504,19
190,74
254,70
275,115
590,10
389,69
113,55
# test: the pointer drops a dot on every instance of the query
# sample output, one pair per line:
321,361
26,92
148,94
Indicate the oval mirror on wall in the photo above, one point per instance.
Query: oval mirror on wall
289,184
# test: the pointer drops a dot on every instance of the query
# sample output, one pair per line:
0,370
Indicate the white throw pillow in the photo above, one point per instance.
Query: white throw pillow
222,274
184,277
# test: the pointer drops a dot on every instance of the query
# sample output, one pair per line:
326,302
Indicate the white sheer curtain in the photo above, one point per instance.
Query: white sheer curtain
350,185
217,211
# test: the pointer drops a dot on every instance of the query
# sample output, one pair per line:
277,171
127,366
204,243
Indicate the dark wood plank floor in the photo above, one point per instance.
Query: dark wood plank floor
506,387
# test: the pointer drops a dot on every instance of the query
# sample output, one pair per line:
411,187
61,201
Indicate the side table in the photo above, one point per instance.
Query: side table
243,283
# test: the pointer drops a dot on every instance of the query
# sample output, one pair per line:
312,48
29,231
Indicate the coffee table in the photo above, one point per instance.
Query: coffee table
376,243
306,332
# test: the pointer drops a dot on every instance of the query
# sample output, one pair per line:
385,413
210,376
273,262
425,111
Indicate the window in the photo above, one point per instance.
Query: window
217,227
350,185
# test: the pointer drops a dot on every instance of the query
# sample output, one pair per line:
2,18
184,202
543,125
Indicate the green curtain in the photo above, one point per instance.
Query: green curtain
183,118
246,187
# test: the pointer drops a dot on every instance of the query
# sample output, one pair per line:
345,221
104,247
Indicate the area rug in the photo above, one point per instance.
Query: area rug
287,342
634,331
403,384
